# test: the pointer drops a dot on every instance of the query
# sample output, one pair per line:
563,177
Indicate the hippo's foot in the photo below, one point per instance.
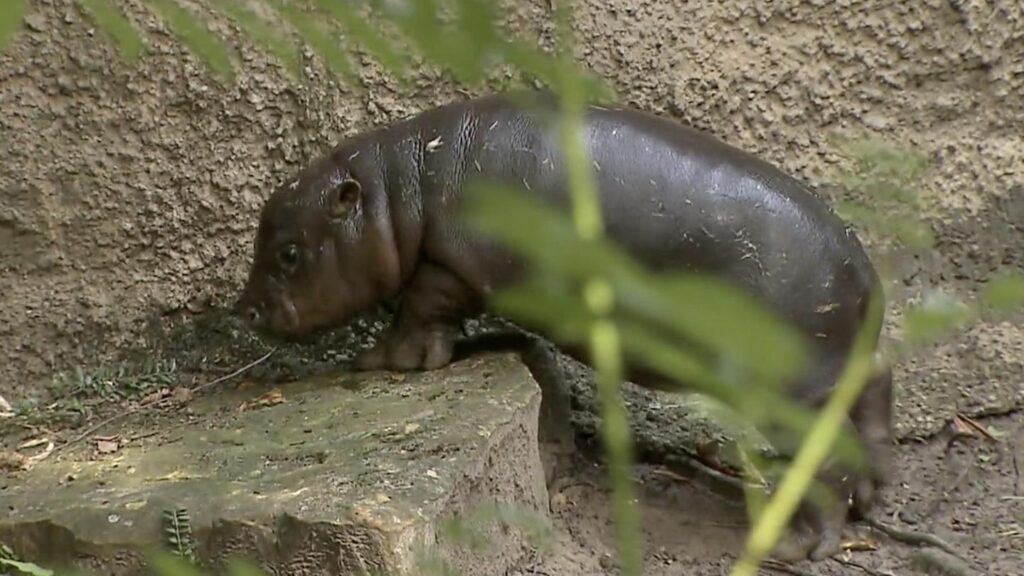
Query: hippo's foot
406,347
816,530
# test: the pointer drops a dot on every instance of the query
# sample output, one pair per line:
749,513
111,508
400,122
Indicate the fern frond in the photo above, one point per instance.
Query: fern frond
178,527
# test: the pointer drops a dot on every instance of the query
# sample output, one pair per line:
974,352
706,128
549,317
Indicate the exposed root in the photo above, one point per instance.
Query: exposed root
913,538
861,567
784,568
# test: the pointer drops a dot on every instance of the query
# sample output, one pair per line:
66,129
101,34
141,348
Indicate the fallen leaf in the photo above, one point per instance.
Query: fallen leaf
6,410
861,545
269,399
411,427
155,396
181,394
432,474
107,446
963,424
382,498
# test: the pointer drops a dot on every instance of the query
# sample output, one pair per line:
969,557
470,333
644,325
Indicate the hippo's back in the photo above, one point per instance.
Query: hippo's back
681,199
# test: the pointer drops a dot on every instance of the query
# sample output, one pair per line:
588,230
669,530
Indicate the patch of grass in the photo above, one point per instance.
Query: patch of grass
113,23
196,36
122,381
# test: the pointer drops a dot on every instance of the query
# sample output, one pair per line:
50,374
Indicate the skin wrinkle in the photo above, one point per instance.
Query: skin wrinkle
386,220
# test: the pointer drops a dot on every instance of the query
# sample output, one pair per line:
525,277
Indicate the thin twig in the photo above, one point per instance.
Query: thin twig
226,377
93,429
1016,472
913,538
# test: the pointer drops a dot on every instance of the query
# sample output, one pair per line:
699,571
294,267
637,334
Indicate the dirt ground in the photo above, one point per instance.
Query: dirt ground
968,492
129,196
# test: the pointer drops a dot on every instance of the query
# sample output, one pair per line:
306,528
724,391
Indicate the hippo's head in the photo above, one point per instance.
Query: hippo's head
324,253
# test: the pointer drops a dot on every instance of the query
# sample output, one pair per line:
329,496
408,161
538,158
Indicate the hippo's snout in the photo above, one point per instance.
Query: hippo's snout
252,317
246,310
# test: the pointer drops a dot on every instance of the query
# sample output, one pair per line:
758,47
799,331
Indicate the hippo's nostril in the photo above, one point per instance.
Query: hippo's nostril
252,315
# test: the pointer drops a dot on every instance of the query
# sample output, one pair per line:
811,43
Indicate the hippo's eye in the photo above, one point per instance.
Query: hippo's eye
289,257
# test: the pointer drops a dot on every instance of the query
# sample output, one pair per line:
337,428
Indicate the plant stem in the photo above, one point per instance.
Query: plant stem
604,341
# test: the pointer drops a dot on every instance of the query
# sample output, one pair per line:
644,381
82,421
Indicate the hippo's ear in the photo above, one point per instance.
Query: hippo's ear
342,197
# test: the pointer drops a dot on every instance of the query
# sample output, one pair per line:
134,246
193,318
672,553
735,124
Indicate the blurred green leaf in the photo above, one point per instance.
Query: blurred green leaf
242,567
475,24
12,15
911,233
210,49
111,22
418,20
311,30
702,309
25,567
706,309
558,312
266,35
937,315
647,348
1004,293
464,533
880,158
914,235
360,30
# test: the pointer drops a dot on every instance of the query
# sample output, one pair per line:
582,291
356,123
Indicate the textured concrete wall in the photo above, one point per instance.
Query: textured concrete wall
130,192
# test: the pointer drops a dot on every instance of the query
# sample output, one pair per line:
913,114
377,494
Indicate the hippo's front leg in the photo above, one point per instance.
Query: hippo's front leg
428,321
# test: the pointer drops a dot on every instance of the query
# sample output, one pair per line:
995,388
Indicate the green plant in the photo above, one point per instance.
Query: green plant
11,14
178,527
9,562
603,299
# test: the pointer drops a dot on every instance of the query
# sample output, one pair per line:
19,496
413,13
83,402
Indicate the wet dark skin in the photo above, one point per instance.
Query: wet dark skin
376,221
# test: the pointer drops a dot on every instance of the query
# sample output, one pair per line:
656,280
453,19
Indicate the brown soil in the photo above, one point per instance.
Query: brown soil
969,493
129,196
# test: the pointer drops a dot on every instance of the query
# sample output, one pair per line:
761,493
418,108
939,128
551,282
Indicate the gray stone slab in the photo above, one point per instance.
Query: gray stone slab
349,473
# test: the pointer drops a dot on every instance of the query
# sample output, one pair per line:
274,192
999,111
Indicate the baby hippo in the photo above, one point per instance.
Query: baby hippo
376,220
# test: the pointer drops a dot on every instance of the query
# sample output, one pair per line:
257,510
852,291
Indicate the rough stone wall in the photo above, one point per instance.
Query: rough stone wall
130,192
